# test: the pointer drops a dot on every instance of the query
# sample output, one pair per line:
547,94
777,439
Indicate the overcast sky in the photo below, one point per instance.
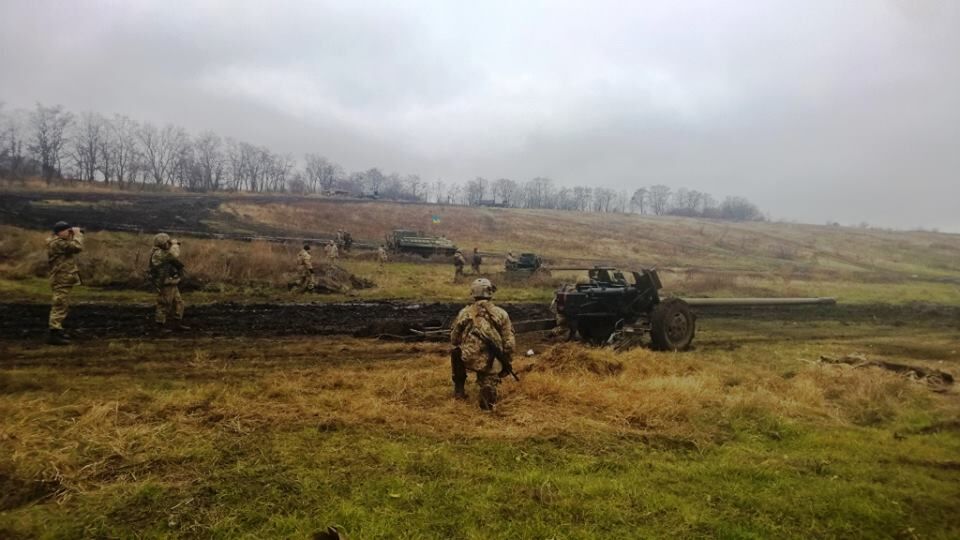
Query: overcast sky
844,110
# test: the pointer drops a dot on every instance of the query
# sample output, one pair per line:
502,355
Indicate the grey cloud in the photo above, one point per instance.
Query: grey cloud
817,110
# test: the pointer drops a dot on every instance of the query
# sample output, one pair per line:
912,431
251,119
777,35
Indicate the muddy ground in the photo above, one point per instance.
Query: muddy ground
380,319
364,319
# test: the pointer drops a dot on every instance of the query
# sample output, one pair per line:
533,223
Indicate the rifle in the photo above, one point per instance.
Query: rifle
500,355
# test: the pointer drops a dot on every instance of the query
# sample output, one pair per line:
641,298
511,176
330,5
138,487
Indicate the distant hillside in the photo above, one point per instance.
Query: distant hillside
563,237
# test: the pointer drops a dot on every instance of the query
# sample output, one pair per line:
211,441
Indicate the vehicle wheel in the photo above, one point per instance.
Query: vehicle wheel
672,325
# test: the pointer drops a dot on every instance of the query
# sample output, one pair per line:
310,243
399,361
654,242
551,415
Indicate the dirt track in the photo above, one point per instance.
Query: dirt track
371,319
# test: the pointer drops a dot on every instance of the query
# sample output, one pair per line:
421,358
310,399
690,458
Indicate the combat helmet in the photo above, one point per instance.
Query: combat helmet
482,288
161,239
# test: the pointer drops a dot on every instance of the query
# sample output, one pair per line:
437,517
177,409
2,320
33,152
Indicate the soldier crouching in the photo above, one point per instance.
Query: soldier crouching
483,341
165,273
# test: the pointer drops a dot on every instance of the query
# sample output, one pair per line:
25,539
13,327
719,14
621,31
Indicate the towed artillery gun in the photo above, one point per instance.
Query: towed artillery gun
419,243
610,310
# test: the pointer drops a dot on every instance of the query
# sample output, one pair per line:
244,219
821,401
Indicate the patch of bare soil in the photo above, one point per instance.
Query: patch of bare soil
365,319
16,491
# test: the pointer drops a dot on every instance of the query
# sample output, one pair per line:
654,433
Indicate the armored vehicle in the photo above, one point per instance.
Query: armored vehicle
526,264
419,243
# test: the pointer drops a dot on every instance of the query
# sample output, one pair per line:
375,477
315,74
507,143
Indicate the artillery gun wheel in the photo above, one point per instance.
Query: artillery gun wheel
672,325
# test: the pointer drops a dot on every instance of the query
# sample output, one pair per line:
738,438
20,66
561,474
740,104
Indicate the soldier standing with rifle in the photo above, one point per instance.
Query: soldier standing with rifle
305,265
458,262
62,250
476,261
166,270
483,342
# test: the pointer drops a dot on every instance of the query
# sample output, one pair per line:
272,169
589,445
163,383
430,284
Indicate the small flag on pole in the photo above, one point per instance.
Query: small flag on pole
435,219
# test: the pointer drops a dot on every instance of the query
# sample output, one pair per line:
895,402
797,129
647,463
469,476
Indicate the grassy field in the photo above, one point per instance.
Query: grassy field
746,437
113,268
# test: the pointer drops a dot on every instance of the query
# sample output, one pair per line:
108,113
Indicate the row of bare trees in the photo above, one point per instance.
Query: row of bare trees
54,143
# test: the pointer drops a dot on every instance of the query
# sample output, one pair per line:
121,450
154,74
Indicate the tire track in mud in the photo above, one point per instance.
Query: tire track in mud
372,319
362,319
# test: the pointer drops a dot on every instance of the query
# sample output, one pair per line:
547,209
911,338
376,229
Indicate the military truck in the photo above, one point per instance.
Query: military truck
419,243
526,265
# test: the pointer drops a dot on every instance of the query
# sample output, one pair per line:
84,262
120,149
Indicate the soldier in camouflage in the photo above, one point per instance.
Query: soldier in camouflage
332,252
483,341
458,263
382,255
476,260
305,269
563,324
166,270
62,249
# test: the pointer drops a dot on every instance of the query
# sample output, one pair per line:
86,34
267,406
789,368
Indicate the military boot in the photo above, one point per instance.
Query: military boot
459,390
56,337
177,325
488,397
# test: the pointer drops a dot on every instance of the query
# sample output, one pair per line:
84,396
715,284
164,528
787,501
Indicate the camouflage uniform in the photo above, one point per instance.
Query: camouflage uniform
563,325
475,262
479,330
510,261
305,270
382,256
458,262
332,251
64,274
165,272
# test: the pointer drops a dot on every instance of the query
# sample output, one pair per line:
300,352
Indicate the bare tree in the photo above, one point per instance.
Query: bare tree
278,171
87,142
582,197
49,137
119,150
321,174
373,179
13,160
639,200
210,161
538,192
439,188
455,194
505,190
739,209
603,199
160,149
659,198
565,199
353,183
414,184
474,191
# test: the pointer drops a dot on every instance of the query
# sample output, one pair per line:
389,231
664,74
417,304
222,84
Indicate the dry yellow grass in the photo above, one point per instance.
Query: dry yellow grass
696,399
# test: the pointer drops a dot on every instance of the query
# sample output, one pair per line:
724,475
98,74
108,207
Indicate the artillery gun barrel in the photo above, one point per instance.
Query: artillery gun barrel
746,302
